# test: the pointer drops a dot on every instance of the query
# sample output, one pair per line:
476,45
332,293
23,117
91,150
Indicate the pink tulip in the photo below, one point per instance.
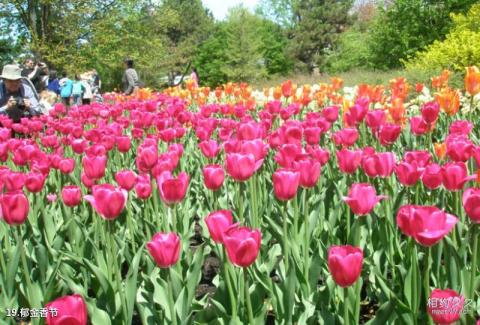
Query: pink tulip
319,154
66,166
14,181
330,113
312,135
418,126
345,137
69,310
345,264
459,147
94,166
426,224
123,143
71,195
362,198
421,158
285,184
376,118
460,127
51,197
287,154
239,166
432,176
172,190
218,222
349,160
408,174
445,306
107,200
379,164
14,207
126,179
455,176
34,182
143,187
388,133
165,249
309,172
147,157
210,148
430,112
213,176
471,204
87,182
242,245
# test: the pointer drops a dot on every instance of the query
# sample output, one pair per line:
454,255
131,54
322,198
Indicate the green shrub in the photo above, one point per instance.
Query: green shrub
460,49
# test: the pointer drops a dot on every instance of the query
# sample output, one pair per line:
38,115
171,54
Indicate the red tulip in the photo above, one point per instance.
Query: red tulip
349,160
218,222
15,207
388,133
213,176
408,174
345,264
432,176
143,187
71,195
445,306
285,184
239,166
172,190
430,112
66,166
69,310
210,148
379,164
34,182
107,200
362,198
94,166
455,176
471,204
126,179
242,245
426,224
165,249
345,137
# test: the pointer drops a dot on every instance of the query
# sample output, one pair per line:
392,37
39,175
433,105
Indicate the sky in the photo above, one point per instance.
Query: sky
219,8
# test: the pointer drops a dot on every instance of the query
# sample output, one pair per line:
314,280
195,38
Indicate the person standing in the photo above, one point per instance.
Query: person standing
53,84
66,86
87,79
130,80
33,72
194,76
77,90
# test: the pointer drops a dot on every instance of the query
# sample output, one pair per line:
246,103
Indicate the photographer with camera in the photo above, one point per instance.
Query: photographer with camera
17,98
35,72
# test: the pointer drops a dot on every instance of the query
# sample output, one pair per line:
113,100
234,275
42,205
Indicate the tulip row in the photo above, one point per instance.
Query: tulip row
309,212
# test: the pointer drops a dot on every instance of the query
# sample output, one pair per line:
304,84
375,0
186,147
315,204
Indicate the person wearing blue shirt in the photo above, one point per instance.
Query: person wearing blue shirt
66,87
53,83
17,98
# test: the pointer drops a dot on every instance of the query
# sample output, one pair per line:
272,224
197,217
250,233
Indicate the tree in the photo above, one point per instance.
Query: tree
183,25
407,26
279,11
317,26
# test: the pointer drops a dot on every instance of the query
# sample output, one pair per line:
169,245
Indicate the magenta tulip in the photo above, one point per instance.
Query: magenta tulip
71,195
94,166
107,200
165,249
14,207
239,166
471,204
408,174
126,179
362,198
455,175
345,264
172,190
70,310
218,222
209,148
349,160
432,176
242,245
285,184
213,176
445,306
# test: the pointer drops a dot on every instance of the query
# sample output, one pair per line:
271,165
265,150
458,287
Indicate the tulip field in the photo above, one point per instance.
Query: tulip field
298,204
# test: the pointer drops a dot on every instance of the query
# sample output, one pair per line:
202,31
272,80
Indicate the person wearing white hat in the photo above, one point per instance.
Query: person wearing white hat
17,99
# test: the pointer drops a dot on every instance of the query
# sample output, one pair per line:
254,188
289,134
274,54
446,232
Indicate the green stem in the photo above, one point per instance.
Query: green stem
25,269
474,261
285,236
228,282
130,226
247,297
240,203
296,216
171,304
426,274
346,321
307,240
117,275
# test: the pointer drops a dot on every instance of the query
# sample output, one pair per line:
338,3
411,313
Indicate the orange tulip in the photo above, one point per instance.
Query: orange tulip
397,111
449,100
337,83
440,150
218,92
442,80
228,88
478,176
266,92
277,93
472,81
399,87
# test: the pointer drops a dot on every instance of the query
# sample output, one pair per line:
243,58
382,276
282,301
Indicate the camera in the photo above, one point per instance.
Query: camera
19,103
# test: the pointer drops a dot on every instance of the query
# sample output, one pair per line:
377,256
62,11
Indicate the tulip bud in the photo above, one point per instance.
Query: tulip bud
345,264
165,249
